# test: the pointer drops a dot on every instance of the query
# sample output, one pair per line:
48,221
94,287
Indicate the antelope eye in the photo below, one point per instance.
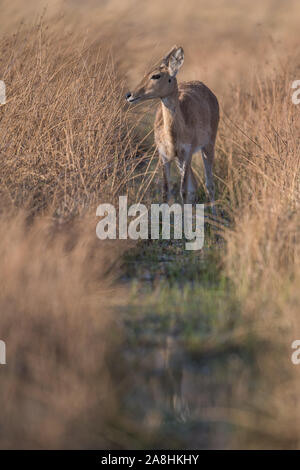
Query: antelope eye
155,77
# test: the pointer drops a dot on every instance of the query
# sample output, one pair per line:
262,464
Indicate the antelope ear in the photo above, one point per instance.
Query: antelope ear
165,60
174,60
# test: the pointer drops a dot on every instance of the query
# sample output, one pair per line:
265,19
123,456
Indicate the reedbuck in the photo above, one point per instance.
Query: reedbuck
186,122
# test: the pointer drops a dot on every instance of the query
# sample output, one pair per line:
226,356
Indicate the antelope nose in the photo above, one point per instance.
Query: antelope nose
128,95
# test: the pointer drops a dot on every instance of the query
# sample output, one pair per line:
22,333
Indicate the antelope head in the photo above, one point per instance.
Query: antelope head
161,81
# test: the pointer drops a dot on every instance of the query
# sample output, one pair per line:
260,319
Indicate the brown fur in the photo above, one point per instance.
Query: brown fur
186,122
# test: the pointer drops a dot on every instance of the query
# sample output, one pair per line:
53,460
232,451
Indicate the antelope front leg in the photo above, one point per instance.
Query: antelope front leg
188,184
166,179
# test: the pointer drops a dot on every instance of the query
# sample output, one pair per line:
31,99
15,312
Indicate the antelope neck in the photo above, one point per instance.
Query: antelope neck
171,112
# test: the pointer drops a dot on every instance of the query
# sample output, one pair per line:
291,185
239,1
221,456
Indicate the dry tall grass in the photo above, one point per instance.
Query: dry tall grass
67,142
261,141
66,145
65,137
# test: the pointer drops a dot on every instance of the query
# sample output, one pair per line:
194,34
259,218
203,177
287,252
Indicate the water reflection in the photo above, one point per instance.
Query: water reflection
186,400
